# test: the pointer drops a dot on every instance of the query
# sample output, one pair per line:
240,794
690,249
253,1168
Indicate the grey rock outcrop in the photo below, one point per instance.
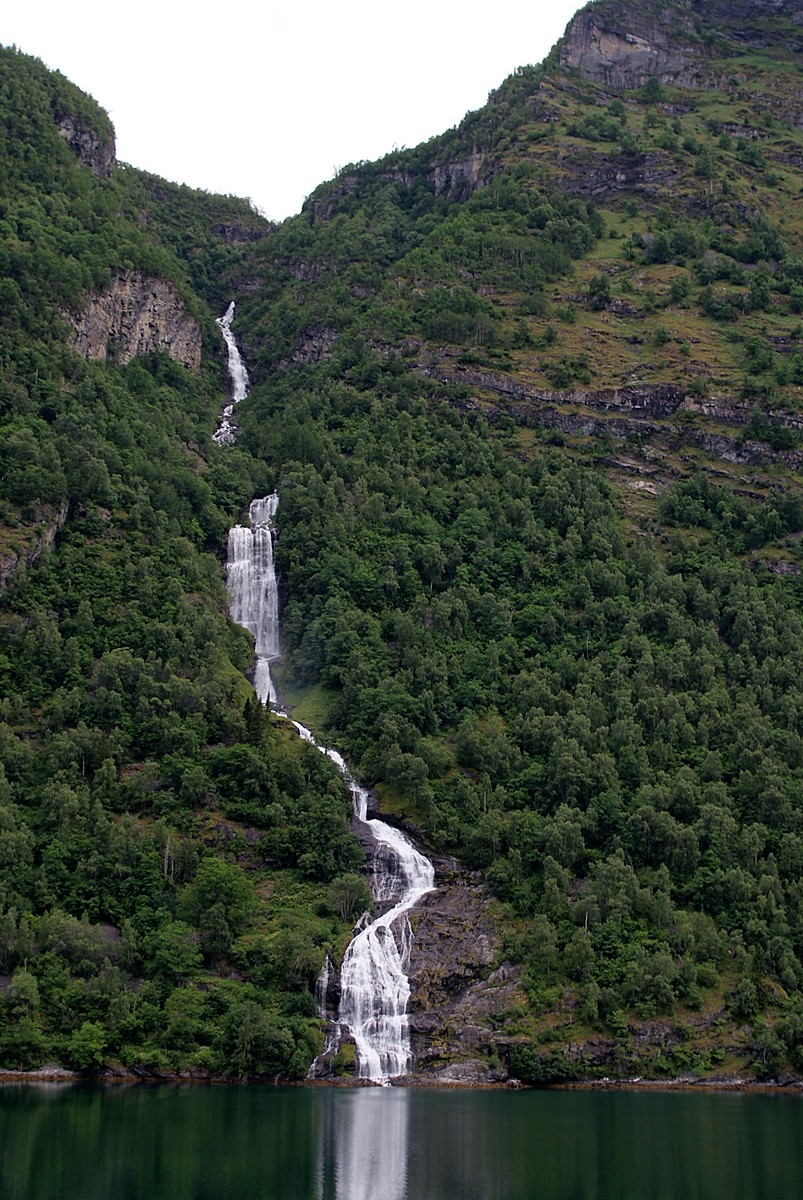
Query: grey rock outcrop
314,343
591,175
457,178
462,178
459,992
646,412
237,234
137,315
35,540
624,45
87,144
782,567
745,10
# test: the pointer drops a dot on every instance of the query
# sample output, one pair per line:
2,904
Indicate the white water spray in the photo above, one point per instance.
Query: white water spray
375,989
226,431
251,580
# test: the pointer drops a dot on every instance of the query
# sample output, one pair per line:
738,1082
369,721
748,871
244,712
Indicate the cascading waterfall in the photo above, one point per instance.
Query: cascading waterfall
226,431
251,579
374,987
375,990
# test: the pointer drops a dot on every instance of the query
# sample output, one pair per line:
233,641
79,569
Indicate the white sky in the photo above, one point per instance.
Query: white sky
267,100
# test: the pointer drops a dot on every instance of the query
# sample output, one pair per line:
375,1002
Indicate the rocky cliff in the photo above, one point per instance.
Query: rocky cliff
95,151
664,414
137,315
27,542
748,10
461,993
463,177
624,44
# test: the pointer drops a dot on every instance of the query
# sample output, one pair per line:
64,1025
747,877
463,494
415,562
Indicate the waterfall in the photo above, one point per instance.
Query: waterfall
375,990
226,431
251,580
374,987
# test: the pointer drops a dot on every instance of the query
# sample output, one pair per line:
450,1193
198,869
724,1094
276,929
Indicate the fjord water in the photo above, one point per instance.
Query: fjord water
250,1143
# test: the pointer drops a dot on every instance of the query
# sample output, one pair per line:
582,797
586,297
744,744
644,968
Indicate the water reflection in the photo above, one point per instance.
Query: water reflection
174,1143
394,1144
364,1141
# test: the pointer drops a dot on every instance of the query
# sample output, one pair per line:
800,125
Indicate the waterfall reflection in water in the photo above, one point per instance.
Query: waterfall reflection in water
363,1146
313,1143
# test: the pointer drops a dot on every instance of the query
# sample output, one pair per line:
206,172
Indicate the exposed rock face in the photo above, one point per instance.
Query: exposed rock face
603,177
625,44
459,993
663,412
325,202
137,315
235,234
307,271
314,343
652,400
87,144
782,567
741,10
36,540
461,179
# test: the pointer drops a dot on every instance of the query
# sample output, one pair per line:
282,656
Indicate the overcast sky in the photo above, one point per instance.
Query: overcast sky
268,99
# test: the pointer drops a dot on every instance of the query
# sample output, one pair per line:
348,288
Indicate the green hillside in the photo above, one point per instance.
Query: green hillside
531,397
164,884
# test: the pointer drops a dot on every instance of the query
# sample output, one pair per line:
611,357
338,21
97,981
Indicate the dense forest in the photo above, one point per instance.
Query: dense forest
535,428
135,759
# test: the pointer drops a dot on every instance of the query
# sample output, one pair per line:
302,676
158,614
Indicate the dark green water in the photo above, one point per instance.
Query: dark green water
174,1143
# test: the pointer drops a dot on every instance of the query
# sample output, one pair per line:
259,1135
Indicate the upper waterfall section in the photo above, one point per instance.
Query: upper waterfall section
240,383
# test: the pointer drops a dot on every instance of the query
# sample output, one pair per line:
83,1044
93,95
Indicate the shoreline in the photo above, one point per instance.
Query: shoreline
53,1075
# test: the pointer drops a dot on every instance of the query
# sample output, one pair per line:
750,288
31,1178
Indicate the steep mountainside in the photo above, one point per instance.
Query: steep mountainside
151,915
531,397
534,393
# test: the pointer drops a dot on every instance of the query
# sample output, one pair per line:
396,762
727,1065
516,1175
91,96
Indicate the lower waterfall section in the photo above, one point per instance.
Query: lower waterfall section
375,990
374,987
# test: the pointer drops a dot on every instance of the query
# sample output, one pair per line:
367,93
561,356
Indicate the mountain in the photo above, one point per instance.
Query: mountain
531,397
152,913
